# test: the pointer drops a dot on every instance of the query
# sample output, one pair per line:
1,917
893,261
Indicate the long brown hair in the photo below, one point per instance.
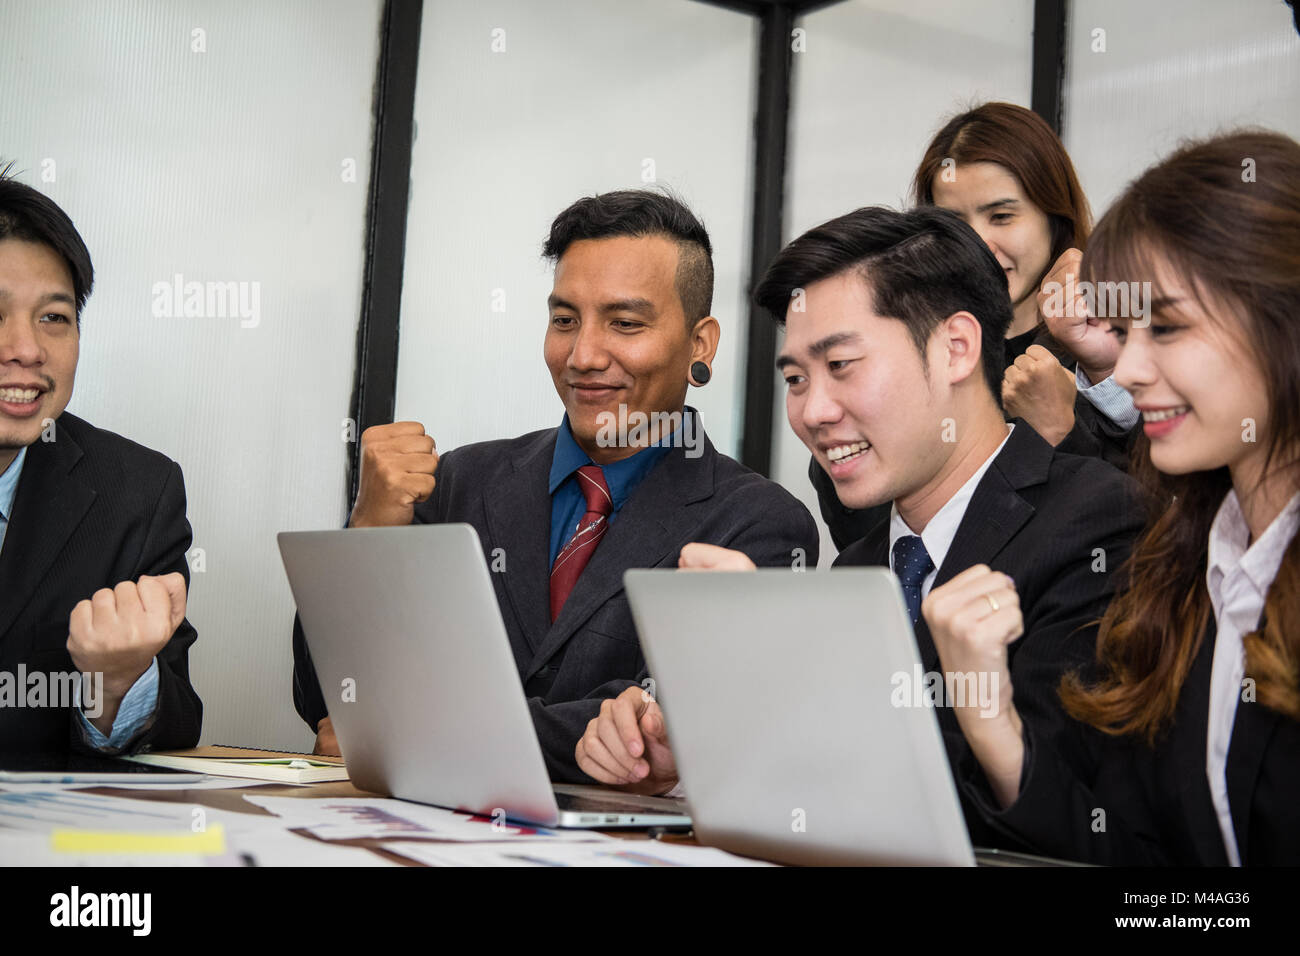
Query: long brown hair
1224,214
1020,141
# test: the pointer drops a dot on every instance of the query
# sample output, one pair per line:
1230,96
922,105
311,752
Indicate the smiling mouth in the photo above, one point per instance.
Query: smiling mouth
588,393
844,453
19,396
1164,414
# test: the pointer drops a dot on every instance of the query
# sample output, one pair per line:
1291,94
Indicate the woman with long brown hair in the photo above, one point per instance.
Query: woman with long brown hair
1006,173
1185,747
1002,169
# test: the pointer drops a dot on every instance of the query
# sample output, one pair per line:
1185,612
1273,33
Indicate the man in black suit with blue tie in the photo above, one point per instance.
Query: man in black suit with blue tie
893,364
625,481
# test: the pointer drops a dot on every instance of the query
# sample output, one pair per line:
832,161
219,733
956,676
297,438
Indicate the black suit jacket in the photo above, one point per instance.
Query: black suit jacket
1039,516
92,509
1101,799
591,652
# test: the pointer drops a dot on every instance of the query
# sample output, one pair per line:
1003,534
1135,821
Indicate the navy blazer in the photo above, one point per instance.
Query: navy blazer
1089,796
92,509
1040,516
591,652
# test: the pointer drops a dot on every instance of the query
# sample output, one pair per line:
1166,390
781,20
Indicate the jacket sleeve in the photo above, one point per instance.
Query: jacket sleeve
308,699
1096,436
1060,626
178,716
1081,796
561,724
787,538
1080,799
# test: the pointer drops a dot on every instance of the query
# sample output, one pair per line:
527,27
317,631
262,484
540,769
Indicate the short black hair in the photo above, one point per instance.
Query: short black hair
920,266
32,216
636,213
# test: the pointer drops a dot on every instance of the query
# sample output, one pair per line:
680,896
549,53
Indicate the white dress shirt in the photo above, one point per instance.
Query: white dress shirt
938,534
1238,574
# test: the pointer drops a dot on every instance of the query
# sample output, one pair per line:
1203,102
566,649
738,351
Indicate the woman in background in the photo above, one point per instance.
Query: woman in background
1185,748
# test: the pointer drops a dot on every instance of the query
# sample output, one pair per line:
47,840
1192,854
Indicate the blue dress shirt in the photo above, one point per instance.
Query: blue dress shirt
8,488
567,502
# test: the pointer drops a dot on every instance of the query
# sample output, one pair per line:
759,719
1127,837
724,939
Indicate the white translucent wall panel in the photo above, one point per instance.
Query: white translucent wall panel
228,164
877,80
1171,70
579,98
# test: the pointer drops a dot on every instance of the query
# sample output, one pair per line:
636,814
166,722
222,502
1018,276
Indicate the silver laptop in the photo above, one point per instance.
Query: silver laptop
779,692
420,681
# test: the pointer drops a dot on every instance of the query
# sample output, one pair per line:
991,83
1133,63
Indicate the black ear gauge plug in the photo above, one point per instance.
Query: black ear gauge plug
700,373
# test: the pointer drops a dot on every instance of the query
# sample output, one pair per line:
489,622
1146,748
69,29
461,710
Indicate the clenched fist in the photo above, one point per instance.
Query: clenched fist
1065,310
397,466
118,631
973,619
698,556
1040,390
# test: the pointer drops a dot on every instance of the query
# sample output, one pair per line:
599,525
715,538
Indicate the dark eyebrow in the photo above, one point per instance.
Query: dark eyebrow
996,203
821,347
1161,303
642,306
638,305
45,299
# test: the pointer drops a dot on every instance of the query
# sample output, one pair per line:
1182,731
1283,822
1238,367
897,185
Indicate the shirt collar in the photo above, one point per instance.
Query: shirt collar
937,536
1230,548
622,476
9,485
568,456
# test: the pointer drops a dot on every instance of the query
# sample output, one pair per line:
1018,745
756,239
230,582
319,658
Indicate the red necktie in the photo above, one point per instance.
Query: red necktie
573,557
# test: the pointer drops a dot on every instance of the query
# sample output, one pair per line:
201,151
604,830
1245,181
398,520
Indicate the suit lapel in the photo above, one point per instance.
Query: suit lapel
1252,727
49,505
1188,740
518,512
994,514
996,511
642,535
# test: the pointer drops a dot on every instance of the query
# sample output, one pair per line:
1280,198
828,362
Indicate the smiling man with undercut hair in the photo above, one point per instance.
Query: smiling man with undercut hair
573,507
93,532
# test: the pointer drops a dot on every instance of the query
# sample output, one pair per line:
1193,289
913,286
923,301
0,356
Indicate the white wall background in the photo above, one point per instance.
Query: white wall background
878,79
1171,71
220,165
582,95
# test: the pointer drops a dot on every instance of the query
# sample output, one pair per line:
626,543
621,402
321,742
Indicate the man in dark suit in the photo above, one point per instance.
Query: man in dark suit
1059,376
625,481
93,534
893,363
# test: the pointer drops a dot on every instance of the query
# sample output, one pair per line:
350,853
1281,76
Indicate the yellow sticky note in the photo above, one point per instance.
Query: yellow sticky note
209,842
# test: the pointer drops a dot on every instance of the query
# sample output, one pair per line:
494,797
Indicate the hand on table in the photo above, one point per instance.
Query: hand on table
626,745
